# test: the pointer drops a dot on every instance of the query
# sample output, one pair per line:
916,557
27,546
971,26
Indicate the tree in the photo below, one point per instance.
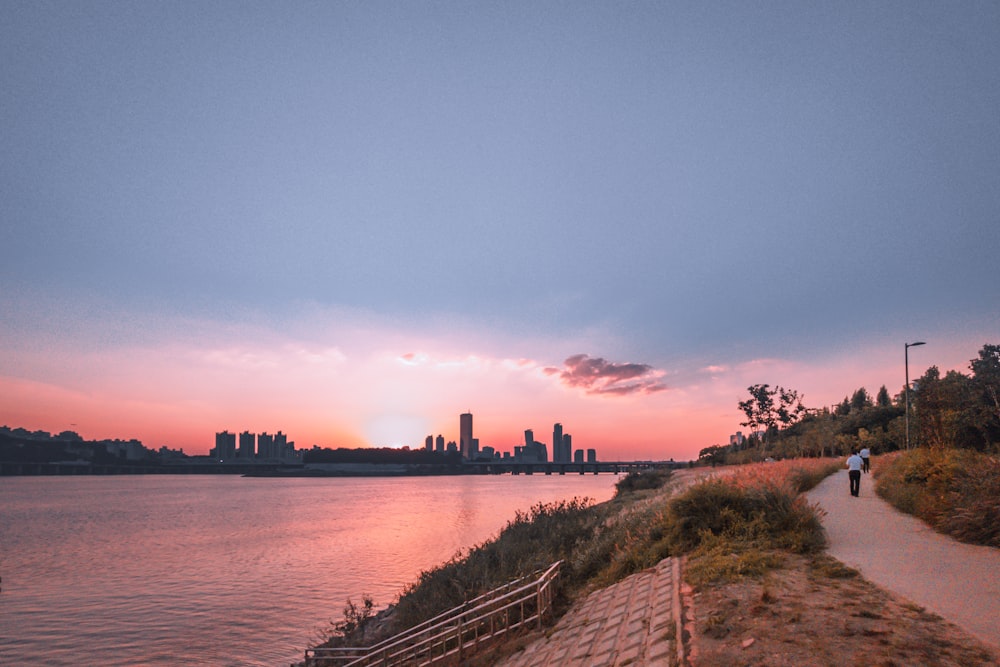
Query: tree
860,400
713,455
843,408
882,398
764,415
946,410
986,385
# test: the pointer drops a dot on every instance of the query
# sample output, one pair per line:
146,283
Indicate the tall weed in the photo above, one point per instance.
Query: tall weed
738,525
956,491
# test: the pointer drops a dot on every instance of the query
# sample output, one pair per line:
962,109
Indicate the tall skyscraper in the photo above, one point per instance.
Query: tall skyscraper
557,444
466,446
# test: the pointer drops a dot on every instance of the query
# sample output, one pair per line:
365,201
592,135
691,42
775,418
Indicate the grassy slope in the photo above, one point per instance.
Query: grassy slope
754,551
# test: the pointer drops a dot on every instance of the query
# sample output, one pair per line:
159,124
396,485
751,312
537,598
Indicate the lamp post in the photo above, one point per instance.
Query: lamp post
906,389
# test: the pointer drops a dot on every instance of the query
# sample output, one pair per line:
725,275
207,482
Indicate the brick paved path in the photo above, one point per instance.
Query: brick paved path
630,623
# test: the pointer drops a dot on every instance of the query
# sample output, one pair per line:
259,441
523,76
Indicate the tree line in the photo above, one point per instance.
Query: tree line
954,410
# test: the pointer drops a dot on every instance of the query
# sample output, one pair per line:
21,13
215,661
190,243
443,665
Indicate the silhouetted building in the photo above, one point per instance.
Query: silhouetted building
591,456
578,456
567,447
468,447
225,446
265,446
536,452
248,445
439,443
429,443
557,443
280,449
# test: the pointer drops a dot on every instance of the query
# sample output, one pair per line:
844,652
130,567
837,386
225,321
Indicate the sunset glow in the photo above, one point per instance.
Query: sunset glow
353,222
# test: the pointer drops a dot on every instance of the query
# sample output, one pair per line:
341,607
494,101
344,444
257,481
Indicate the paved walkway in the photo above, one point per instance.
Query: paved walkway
957,581
630,623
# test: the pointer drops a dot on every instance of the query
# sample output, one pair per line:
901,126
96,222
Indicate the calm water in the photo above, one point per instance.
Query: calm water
226,570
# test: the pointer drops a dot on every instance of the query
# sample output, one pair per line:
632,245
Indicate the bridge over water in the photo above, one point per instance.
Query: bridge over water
503,467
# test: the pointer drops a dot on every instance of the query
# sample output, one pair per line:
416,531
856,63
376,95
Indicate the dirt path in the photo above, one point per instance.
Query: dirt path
960,582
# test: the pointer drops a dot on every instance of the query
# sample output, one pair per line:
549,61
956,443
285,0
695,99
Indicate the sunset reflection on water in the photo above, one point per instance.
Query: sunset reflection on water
225,570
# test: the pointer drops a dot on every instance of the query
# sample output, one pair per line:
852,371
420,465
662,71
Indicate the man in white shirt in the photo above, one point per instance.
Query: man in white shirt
865,467
854,464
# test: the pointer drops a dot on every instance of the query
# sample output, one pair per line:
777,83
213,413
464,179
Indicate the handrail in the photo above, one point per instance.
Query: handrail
455,631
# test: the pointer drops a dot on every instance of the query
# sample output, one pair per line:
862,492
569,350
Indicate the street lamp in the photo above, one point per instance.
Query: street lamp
906,361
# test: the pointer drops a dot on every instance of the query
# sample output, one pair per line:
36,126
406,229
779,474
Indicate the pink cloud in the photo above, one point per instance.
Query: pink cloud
598,376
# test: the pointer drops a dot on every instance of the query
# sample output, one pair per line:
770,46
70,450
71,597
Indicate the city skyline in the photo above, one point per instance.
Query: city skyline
530,449
351,220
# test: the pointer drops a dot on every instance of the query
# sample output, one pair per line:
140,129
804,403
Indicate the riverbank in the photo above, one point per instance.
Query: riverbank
761,588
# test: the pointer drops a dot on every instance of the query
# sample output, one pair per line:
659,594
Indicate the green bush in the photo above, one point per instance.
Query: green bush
768,515
641,480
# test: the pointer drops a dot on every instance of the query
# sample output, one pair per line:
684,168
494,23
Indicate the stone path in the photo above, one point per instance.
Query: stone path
633,622
960,582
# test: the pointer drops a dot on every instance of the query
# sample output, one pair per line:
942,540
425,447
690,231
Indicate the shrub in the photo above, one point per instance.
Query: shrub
738,525
531,541
761,513
641,480
956,491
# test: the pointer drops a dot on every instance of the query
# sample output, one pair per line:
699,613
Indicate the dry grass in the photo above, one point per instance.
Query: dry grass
956,491
771,603
739,525
815,611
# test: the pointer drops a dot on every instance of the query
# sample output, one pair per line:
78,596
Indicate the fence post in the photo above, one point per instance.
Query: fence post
538,602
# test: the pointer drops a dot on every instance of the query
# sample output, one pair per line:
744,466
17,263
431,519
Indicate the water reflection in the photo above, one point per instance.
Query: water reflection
228,570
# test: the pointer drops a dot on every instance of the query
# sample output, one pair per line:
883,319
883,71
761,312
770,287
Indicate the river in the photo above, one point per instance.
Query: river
227,570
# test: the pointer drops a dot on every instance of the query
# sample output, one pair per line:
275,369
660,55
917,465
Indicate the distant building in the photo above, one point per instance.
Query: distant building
248,445
578,456
557,443
532,451
466,444
429,443
439,443
265,446
536,452
591,456
567,445
281,450
225,446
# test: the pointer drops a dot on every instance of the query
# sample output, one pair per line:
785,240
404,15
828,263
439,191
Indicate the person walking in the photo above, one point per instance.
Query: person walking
854,464
865,454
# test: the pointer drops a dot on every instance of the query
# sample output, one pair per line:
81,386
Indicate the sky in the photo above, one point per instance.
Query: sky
353,221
